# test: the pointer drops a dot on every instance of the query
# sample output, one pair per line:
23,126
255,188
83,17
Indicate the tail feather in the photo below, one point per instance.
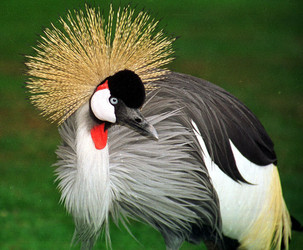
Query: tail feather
273,227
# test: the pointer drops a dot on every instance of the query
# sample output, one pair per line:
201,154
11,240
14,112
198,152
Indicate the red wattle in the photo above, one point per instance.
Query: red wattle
103,86
99,136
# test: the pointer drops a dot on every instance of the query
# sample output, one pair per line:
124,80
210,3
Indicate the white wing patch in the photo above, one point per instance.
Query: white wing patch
240,203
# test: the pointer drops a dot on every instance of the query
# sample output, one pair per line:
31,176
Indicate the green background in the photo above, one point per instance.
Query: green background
251,48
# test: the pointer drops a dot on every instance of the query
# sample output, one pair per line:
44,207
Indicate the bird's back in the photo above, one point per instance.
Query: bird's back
169,183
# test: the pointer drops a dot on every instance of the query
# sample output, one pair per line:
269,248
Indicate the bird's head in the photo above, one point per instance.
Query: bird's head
89,59
118,99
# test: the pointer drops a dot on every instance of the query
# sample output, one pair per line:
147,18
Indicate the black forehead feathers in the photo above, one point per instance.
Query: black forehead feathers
127,86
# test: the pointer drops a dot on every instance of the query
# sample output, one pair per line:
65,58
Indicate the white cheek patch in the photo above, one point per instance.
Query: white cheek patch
101,106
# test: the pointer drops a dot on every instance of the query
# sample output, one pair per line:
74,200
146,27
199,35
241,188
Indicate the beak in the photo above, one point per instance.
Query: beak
133,119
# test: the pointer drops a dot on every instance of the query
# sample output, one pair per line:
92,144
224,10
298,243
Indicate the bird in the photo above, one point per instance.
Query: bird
140,141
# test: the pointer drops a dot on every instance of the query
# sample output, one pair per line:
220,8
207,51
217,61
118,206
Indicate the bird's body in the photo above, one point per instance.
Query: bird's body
173,184
209,176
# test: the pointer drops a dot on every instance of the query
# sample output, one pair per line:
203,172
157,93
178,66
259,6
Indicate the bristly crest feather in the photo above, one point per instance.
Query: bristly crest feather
70,62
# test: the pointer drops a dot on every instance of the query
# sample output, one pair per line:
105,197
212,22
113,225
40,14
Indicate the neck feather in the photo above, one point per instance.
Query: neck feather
86,188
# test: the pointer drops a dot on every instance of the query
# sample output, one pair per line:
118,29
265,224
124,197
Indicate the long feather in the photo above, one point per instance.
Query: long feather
72,60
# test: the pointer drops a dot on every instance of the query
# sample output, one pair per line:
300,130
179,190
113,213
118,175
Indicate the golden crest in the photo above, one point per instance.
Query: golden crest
71,61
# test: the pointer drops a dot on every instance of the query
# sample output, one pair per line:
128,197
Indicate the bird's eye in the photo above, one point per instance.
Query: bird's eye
113,100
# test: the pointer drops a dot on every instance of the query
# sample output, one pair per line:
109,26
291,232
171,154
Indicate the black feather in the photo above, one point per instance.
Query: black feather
220,117
127,86
230,244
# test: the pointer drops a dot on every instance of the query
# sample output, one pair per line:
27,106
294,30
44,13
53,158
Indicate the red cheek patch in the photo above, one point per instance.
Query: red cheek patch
99,136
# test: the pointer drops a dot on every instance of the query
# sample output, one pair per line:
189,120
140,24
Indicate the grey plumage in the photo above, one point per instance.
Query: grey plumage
219,117
163,183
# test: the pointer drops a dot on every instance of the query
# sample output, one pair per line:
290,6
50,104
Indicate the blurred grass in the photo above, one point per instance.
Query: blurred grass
251,48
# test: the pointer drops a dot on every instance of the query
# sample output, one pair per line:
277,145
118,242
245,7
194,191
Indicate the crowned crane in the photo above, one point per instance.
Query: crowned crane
138,141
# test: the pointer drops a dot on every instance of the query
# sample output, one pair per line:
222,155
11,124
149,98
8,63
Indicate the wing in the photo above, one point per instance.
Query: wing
220,117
